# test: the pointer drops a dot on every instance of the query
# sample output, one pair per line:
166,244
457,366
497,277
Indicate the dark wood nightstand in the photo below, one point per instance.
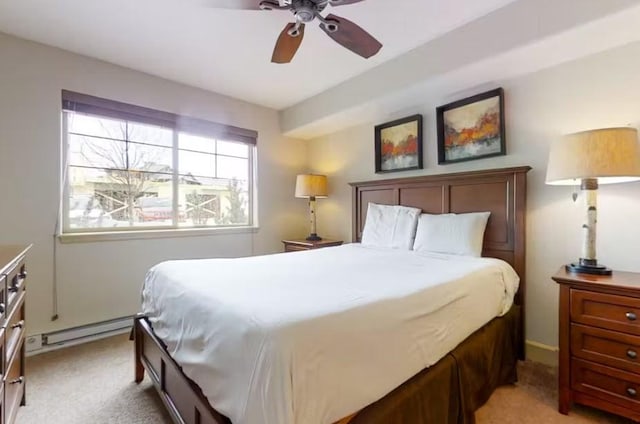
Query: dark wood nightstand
600,342
297,245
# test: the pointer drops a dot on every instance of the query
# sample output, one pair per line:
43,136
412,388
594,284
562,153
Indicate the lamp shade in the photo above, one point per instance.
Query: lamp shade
612,155
309,185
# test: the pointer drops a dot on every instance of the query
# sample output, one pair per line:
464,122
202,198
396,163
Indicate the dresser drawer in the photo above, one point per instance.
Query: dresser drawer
14,387
14,332
619,313
2,404
619,350
3,349
3,298
612,385
16,280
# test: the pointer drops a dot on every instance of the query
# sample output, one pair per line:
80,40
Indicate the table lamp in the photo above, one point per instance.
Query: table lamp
309,186
591,158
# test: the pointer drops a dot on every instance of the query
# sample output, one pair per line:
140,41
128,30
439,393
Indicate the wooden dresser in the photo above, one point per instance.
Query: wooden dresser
13,275
600,342
297,245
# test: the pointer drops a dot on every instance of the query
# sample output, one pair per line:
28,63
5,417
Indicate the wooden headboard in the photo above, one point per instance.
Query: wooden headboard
499,191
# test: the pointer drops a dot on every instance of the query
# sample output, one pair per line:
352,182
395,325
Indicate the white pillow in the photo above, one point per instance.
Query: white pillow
392,227
455,234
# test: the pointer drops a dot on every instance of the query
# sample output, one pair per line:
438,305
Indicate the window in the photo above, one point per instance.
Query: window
132,168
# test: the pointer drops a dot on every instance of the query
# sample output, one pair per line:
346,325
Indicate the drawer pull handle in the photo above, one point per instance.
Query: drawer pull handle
17,280
631,316
19,324
632,392
20,380
2,308
632,354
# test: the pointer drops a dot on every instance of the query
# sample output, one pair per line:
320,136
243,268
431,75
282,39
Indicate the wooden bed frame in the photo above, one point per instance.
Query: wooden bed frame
500,191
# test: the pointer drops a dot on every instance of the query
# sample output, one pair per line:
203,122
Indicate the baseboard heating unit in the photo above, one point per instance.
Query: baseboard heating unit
85,333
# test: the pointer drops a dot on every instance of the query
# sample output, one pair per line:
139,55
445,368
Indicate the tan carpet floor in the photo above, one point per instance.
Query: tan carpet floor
93,384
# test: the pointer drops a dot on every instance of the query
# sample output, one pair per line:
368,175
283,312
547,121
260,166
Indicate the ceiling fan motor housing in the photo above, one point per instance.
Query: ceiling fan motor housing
306,10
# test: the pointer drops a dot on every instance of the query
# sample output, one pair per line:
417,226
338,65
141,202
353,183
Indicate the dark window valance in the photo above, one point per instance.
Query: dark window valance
83,103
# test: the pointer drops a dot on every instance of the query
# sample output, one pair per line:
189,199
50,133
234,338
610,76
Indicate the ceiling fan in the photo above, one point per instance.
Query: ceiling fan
341,30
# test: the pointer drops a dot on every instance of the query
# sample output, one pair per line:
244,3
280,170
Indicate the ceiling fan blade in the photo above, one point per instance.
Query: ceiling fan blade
287,45
343,2
240,4
352,37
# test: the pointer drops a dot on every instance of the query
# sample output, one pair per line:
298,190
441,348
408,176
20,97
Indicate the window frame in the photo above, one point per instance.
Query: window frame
109,109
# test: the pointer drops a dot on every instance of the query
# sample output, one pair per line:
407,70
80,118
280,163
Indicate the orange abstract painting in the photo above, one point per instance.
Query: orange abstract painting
399,145
472,128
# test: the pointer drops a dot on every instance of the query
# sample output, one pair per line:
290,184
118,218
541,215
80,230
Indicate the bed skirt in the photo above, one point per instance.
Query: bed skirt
447,393
460,383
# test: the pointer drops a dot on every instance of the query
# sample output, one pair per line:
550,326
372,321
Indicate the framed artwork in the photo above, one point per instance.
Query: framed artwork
398,145
472,128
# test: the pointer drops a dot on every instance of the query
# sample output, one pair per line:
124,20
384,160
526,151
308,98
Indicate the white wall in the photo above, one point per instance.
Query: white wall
99,281
594,92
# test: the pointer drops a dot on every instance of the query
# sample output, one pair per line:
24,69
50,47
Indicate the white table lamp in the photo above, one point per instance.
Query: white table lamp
590,158
309,186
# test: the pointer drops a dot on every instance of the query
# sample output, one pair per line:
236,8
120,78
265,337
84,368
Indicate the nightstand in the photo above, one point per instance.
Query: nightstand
600,342
297,245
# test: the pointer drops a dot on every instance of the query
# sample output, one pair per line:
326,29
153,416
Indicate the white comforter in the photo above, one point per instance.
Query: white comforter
312,337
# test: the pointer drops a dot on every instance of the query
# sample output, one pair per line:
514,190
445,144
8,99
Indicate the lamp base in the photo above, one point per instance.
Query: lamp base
588,266
314,237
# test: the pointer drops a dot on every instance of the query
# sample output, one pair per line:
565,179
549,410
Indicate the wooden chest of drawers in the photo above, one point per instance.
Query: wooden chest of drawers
13,278
600,342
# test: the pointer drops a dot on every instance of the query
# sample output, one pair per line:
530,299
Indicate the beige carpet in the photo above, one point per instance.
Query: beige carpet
92,384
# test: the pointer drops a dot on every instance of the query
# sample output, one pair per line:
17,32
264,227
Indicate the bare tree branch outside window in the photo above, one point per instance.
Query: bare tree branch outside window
132,171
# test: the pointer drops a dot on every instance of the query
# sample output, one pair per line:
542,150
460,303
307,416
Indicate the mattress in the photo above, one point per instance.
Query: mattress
314,336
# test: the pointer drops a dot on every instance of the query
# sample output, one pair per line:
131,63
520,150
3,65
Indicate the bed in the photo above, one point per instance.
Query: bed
465,370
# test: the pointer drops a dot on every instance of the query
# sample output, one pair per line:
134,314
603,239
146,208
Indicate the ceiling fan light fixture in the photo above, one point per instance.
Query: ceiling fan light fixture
305,14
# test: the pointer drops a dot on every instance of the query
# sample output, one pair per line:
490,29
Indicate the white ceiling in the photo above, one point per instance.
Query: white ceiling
229,51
